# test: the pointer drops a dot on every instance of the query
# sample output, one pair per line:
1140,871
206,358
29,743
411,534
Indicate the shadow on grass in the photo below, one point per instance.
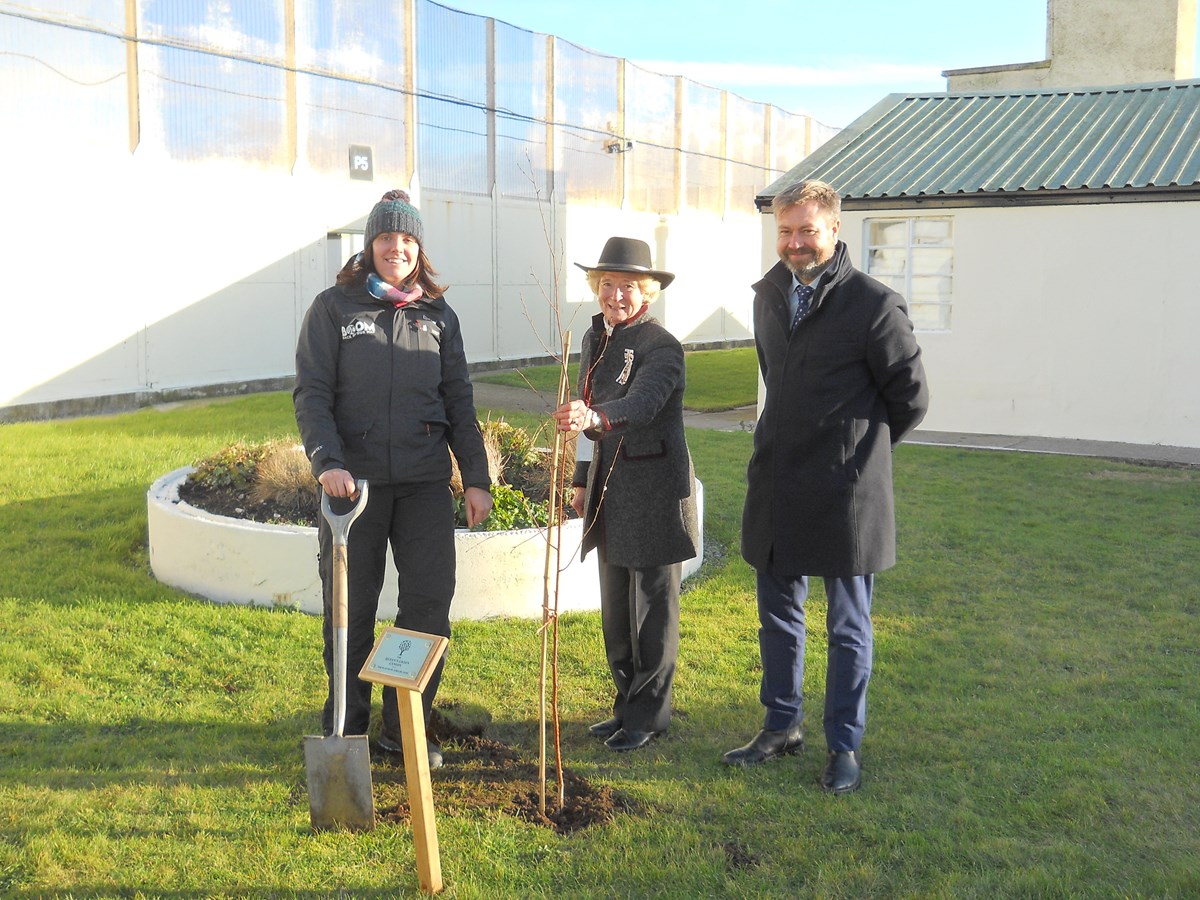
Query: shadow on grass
481,774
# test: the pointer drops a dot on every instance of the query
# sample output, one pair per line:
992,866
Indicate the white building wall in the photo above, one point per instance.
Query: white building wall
139,275
1069,321
712,257
157,276
184,267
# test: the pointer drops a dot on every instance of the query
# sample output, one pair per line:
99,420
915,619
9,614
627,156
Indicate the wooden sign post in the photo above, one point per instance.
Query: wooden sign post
405,660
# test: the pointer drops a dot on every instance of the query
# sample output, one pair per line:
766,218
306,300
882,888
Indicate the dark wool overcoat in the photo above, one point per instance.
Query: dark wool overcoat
641,491
843,389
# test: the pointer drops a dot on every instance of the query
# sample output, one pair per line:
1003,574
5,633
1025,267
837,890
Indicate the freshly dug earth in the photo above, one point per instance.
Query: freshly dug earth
480,773
485,774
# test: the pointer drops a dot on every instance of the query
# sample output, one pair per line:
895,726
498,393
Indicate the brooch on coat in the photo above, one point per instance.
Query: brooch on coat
624,376
426,325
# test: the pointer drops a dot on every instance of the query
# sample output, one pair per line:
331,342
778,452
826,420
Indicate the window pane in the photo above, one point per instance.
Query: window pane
888,231
887,262
932,231
928,261
931,287
930,316
915,258
896,283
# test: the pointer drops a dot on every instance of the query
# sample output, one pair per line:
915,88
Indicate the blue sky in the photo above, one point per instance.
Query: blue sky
832,60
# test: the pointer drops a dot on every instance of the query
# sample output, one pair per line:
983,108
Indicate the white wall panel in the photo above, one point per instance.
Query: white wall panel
1071,321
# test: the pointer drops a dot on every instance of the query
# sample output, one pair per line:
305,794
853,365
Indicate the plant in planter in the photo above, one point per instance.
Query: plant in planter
267,482
271,481
520,471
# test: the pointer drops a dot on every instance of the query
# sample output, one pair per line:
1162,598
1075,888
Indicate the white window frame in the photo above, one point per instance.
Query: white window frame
944,307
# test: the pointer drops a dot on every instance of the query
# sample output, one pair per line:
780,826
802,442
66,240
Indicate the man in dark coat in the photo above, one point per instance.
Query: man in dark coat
844,385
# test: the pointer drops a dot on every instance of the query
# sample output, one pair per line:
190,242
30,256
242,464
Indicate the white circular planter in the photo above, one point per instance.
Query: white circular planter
499,573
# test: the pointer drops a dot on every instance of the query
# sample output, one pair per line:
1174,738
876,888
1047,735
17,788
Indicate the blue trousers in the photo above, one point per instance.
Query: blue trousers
851,644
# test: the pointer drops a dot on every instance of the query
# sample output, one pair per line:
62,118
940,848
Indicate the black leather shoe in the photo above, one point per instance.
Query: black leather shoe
843,772
766,745
606,729
623,740
391,744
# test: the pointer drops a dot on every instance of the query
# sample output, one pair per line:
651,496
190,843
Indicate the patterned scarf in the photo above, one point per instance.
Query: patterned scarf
381,290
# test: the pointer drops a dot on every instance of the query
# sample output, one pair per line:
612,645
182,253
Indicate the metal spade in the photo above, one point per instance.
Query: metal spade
339,767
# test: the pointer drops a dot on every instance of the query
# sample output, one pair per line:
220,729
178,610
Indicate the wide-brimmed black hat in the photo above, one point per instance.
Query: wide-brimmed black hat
622,254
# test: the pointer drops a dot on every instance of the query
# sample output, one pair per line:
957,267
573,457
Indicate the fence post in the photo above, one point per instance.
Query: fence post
131,74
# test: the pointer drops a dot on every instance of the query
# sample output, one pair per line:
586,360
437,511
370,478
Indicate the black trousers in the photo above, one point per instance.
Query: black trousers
639,611
417,520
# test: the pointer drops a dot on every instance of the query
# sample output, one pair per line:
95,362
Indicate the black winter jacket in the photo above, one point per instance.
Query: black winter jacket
383,392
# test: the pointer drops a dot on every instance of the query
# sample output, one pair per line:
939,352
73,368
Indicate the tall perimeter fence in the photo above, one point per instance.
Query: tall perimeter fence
281,121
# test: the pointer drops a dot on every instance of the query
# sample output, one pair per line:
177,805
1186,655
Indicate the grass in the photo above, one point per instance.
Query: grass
1034,709
716,379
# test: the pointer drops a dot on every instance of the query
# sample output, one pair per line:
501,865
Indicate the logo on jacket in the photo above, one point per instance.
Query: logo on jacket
624,376
359,326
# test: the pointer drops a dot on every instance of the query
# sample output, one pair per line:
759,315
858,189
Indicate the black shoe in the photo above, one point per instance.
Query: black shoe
843,772
623,740
766,745
606,729
391,744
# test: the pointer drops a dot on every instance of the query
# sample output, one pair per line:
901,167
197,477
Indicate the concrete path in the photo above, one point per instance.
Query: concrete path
496,396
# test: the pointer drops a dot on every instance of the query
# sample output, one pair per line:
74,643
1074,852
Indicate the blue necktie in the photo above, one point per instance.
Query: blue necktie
804,294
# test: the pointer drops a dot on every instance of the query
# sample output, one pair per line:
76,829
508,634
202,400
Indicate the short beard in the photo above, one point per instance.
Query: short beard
808,272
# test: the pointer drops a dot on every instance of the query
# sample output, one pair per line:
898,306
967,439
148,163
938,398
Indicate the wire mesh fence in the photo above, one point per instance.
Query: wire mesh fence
476,104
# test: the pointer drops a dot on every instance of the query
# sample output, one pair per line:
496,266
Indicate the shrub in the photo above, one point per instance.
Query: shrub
520,478
229,467
511,509
273,482
284,478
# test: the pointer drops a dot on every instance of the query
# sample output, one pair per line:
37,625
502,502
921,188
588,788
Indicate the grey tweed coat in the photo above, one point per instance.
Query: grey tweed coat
641,494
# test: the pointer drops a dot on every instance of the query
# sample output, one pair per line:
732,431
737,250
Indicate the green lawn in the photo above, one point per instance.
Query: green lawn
1034,712
716,379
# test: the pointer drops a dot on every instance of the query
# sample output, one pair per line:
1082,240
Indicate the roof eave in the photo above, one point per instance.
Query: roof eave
1044,197
827,150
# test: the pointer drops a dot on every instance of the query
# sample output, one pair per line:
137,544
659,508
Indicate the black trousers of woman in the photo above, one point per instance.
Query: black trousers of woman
639,611
417,520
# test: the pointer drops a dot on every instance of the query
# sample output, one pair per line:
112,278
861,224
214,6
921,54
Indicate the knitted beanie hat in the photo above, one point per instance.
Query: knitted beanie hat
393,212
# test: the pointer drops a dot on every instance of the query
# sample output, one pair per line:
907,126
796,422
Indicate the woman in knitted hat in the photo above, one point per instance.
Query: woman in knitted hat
637,493
382,393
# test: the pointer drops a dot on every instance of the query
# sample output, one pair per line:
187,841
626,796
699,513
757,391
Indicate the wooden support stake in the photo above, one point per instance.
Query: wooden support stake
420,791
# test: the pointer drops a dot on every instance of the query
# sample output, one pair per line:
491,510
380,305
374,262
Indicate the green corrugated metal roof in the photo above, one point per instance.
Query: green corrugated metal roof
968,146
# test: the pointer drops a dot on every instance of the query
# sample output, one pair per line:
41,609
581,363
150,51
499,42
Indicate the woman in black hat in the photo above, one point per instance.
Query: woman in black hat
382,390
637,492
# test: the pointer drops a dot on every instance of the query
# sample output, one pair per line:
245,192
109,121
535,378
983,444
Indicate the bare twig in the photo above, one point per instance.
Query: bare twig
554,565
550,597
